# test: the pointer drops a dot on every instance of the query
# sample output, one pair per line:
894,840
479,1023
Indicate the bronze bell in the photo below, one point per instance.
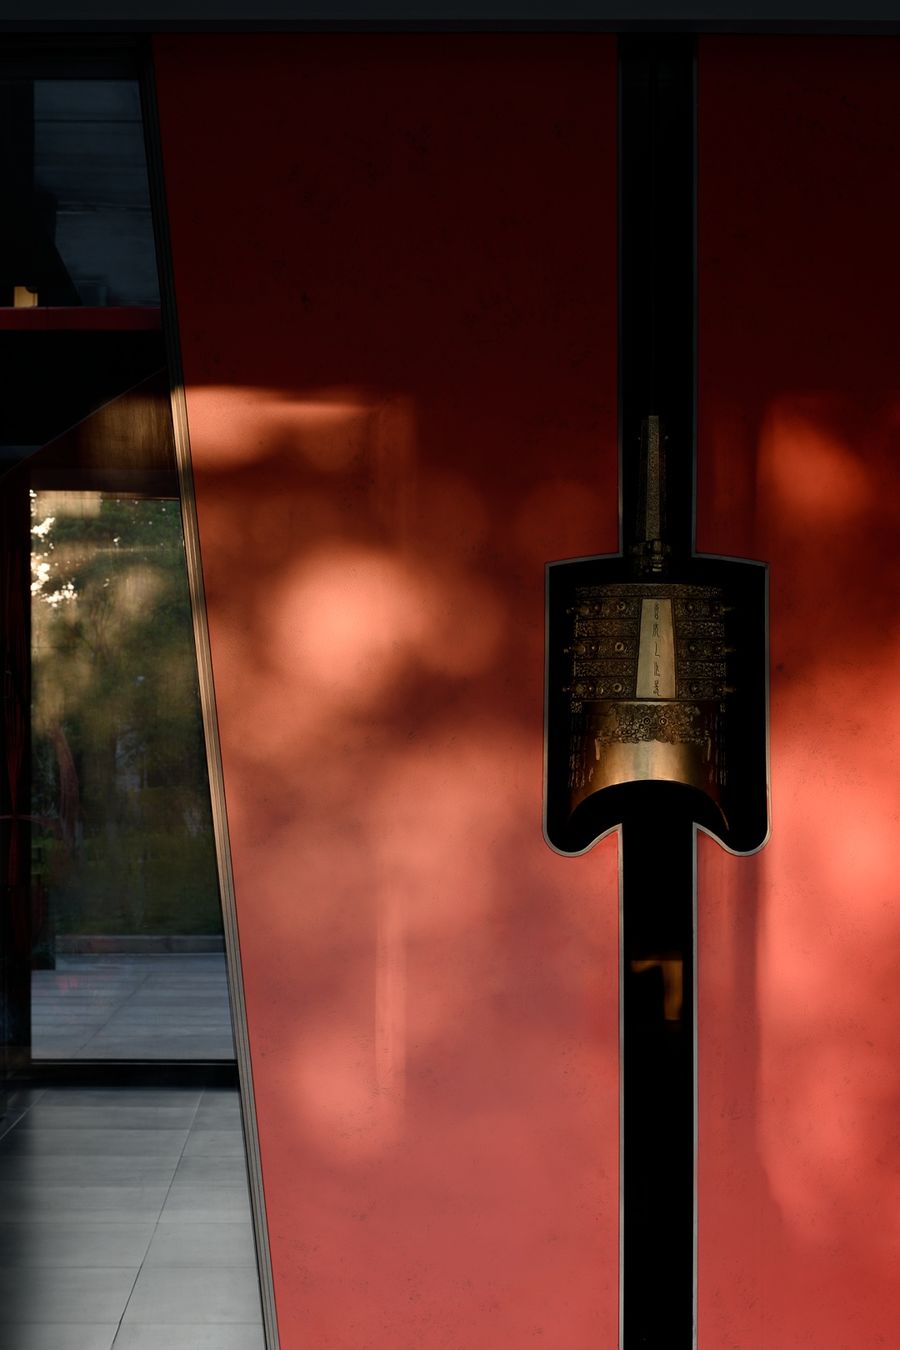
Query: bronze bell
647,674
647,686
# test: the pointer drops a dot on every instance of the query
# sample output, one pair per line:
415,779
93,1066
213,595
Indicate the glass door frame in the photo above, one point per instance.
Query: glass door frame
91,58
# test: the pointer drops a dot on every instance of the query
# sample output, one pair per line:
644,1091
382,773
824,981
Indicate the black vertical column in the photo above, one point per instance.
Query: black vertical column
28,254
17,166
658,1070
657,377
657,267
657,764
15,781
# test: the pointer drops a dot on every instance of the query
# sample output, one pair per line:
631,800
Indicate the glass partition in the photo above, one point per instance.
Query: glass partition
126,942
112,946
77,226
125,1210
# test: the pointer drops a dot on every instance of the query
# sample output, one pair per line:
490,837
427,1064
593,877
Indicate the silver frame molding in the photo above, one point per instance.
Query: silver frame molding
207,697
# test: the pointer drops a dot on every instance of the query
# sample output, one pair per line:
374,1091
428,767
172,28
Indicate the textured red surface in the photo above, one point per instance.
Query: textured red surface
800,465
395,271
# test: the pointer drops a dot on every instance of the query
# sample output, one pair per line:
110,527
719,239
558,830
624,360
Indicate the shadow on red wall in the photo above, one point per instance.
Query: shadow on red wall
395,271
799,399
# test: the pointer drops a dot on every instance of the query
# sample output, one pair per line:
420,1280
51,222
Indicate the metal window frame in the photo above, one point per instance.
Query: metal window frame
207,693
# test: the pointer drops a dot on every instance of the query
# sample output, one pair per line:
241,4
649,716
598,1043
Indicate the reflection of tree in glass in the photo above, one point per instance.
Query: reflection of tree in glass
120,784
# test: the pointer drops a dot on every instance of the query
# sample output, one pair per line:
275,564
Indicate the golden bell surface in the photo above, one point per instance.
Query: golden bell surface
646,687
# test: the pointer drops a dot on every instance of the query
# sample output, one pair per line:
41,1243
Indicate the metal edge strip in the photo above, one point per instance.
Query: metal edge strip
695,441
620,365
695,1033
621,974
207,694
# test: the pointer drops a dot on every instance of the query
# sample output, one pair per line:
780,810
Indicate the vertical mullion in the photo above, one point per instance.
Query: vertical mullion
15,789
658,1080
657,186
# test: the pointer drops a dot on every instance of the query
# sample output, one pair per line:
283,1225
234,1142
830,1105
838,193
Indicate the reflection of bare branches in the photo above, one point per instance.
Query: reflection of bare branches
49,823
96,622
64,822
69,795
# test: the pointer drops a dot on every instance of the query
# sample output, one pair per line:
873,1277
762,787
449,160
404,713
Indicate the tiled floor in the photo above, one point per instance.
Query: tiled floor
125,1222
161,1006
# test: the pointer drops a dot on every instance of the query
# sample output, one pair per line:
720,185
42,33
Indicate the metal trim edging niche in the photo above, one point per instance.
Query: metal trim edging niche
207,698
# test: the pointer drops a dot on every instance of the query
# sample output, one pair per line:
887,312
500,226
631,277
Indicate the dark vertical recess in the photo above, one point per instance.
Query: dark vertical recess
28,254
657,269
657,377
15,782
658,1068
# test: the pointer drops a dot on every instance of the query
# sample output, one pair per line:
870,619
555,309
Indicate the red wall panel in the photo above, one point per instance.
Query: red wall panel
799,1014
395,272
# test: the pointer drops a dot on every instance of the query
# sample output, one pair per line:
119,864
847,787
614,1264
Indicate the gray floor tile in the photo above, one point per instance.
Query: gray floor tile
175,1294
165,1044
15,1105
115,1097
61,1050
123,1204
85,1141
72,1241
52,1170
59,1044
151,1020
23,1096
200,1171
203,1244
59,1337
217,1116
233,1336
64,1115
206,1204
215,1144
55,1243
120,1006
164,1048
190,994
66,1021
47,1000
67,1295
